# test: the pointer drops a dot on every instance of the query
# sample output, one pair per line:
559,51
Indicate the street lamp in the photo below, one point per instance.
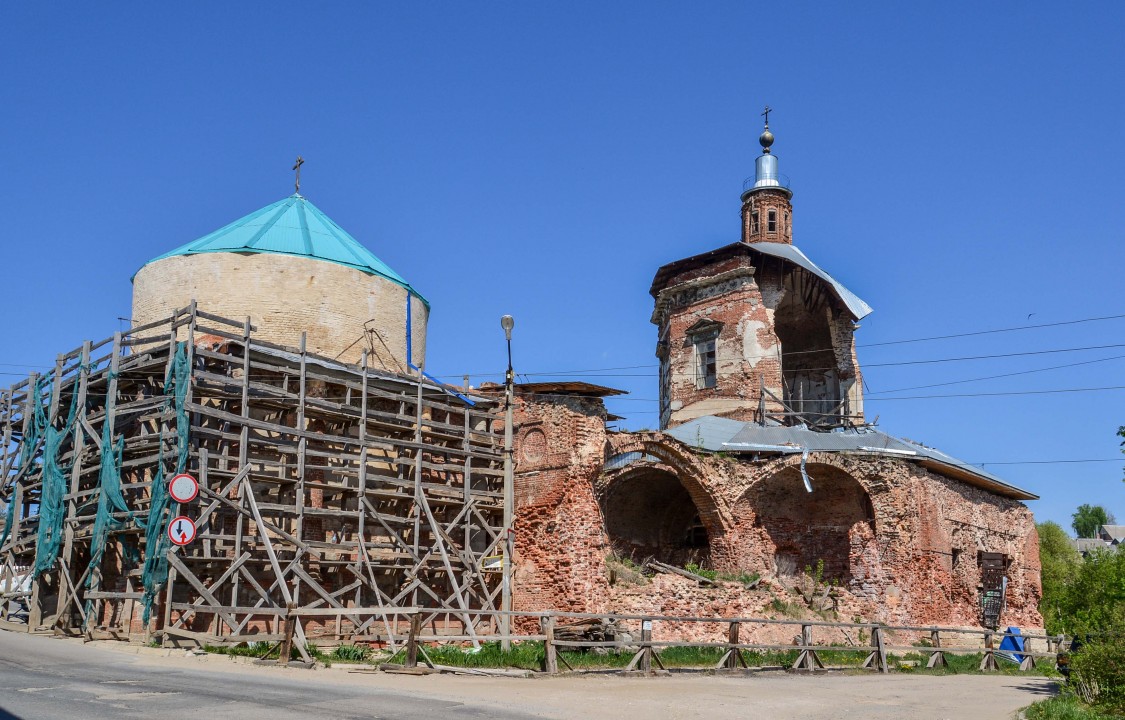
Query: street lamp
507,322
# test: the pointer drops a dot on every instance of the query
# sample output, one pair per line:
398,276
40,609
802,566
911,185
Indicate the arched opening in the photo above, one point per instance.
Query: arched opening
649,514
833,524
808,363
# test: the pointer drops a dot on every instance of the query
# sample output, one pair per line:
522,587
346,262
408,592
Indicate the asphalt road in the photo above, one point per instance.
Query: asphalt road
42,677
45,678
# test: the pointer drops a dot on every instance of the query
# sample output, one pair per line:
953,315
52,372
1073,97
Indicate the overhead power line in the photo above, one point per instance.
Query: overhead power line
997,330
998,394
1049,462
995,377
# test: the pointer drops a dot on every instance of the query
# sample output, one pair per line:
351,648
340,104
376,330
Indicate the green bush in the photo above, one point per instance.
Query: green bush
1098,674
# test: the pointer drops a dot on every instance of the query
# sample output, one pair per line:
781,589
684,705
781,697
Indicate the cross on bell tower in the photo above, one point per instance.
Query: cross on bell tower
766,209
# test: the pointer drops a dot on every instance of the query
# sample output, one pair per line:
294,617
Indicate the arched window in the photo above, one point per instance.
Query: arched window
703,336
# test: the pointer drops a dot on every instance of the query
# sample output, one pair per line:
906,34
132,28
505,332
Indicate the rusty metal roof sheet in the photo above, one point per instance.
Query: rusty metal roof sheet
790,253
793,254
722,435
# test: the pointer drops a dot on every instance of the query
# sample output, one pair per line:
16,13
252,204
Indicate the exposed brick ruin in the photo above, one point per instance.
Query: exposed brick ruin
755,339
770,324
901,542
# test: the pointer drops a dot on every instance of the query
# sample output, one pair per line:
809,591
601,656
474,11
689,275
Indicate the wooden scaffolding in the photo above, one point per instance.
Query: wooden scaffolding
336,491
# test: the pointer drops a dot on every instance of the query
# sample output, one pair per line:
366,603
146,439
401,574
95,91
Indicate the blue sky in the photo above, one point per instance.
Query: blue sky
955,165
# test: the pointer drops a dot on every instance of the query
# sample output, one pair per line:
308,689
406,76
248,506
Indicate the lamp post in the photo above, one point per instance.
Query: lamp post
507,322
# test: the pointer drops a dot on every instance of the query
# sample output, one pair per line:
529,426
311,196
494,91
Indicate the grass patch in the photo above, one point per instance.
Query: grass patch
744,577
259,650
1064,707
964,665
351,653
529,656
266,651
786,608
525,656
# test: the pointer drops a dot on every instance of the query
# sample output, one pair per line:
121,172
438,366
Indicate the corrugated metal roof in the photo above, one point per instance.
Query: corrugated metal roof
723,435
858,308
794,255
293,226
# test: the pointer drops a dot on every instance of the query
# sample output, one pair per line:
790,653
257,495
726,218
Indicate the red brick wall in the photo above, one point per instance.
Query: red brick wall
886,528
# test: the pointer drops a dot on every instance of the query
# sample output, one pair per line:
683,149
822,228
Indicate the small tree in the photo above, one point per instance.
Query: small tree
1088,518
1121,433
1093,605
1060,562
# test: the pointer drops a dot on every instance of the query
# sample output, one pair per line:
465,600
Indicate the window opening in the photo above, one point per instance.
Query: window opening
754,222
696,536
771,223
705,370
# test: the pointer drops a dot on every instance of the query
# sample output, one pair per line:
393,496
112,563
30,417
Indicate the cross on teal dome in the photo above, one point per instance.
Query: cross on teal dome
293,226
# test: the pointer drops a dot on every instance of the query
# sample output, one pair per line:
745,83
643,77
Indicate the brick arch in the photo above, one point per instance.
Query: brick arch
835,523
648,512
667,459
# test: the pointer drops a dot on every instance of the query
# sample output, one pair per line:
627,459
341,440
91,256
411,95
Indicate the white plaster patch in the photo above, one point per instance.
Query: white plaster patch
753,351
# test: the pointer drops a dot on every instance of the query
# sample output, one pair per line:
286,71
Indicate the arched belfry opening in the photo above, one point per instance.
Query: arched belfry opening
649,514
809,375
832,524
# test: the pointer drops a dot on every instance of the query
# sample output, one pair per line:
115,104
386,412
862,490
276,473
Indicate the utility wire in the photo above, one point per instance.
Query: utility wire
799,352
602,372
998,330
998,394
1048,462
859,345
994,377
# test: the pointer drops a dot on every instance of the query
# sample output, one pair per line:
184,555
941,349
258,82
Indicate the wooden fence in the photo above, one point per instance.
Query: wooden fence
411,629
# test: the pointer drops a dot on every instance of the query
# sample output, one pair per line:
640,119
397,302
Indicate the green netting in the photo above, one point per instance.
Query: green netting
155,573
9,518
51,510
111,500
27,451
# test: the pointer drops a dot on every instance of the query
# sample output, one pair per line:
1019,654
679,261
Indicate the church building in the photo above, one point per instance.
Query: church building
764,465
278,363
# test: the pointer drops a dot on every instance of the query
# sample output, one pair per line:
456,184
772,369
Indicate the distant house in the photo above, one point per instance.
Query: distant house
1085,546
1112,534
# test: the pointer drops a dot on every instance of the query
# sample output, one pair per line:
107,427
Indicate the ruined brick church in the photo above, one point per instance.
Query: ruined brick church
279,361
764,465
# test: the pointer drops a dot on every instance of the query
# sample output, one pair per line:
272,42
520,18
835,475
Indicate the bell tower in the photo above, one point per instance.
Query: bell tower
767,214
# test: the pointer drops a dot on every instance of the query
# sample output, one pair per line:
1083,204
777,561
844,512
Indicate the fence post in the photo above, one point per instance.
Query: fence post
733,658
287,635
550,652
937,657
646,647
1027,662
412,640
808,659
877,658
883,668
988,662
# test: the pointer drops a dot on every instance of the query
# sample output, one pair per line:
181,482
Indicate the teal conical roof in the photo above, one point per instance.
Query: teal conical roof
293,226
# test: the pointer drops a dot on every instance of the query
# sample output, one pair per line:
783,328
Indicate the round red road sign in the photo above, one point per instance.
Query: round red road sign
183,488
181,530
